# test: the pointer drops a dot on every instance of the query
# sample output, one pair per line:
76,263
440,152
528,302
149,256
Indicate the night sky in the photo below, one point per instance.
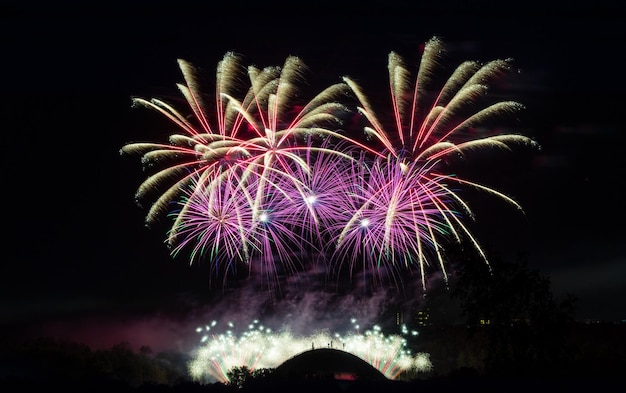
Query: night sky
78,261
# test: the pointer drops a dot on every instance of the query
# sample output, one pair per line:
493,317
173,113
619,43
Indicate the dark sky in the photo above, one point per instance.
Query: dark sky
75,244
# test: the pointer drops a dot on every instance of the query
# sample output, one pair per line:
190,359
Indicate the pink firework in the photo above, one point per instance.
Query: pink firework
405,209
205,144
277,230
266,184
255,134
403,216
243,190
215,224
428,130
317,195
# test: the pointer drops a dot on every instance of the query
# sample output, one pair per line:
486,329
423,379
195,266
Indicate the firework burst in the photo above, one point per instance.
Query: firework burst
205,145
251,134
405,207
268,185
234,189
271,185
401,211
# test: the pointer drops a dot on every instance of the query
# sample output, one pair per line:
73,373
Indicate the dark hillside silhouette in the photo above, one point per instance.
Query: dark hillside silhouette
327,363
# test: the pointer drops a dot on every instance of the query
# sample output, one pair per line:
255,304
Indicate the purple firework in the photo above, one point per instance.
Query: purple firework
405,208
268,185
403,214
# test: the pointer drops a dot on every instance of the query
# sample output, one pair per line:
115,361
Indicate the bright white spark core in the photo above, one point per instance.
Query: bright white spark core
260,347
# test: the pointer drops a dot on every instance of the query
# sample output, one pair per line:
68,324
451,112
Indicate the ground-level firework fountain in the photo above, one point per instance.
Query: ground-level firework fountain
259,347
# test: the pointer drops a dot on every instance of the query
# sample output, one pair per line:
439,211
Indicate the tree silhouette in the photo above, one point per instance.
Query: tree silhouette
238,376
243,376
513,307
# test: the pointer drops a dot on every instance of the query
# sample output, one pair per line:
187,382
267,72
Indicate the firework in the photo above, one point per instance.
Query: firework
406,209
259,347
400,214
222,222
234,188
320,196
270,186
251,135
205,146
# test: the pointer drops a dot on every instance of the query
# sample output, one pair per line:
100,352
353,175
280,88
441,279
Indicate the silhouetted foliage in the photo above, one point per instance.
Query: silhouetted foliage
596,363
524,326
243,376
237,376
48,360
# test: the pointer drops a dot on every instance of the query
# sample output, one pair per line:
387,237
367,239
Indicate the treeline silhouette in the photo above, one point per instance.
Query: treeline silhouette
458,354
516,337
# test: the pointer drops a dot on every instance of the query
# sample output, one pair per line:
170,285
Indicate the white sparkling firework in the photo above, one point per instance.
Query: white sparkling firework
259,347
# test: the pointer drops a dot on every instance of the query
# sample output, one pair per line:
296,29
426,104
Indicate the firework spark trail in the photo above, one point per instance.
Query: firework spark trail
272,187
259,347
250,156
401,213
247,133
407,207
318,199
189,154
219,224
